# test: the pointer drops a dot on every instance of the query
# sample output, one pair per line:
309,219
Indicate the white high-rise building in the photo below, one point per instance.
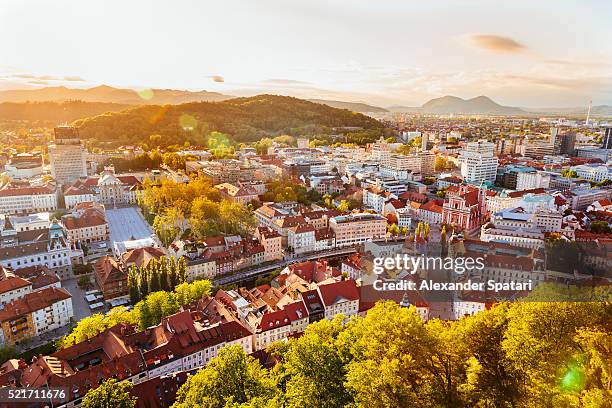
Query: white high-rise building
67,155
531,180
478,162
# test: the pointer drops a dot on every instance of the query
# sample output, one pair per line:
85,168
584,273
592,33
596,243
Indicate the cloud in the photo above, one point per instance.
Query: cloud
496,43
38,82
217,78
74,79
283,81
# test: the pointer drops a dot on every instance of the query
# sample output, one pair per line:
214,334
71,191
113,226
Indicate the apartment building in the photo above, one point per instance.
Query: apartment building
67,155
23,198
478,162
49,247
34,314
87,223
355,229
24,166
340,298
594,172
301,238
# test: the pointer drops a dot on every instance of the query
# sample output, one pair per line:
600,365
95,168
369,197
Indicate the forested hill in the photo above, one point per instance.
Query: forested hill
244,119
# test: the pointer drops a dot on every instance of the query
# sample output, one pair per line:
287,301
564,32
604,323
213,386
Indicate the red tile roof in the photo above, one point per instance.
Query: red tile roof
335,292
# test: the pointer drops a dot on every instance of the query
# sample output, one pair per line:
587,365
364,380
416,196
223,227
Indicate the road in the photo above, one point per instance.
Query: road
254,273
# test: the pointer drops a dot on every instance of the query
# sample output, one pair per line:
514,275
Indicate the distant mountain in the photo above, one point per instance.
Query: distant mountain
480,105
104,93
352,106
56,112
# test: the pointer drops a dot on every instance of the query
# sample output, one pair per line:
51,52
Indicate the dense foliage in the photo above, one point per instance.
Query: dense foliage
147,312
173,207
529,354
110,393
244,119
280,191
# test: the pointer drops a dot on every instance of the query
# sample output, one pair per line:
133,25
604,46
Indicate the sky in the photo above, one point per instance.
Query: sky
535,53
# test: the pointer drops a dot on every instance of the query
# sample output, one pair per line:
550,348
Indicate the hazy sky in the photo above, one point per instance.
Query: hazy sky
527,53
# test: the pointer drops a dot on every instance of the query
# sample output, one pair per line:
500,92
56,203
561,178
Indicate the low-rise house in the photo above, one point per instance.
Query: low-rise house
340,298
272,243
35,314
301,239
111,277
87,223
430,212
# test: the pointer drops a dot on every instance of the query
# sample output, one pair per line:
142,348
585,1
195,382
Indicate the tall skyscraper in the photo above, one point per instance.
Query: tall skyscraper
424,141
67,155
564,143
478,162
607,138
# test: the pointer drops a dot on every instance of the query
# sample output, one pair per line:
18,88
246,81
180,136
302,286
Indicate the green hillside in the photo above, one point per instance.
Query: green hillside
244,119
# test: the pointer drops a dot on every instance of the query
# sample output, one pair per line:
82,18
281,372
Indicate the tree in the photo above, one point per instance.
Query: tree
393,229
389,350
84,282
156,306
491,378
143,282
440,163
153,275
181,270
91,326
132,282
569,173
600,227
7,353
111,393
163,274
172,273
316,358
344,206
188,292
404,230
231,379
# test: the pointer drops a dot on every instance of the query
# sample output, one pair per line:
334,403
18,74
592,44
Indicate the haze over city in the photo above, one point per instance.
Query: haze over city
520,53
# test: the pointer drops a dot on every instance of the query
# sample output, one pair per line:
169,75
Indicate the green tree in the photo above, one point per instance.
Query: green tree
188,292
181,270
231,379
7,353
389,348
156,306
154,284
344,206
172,273
393,229
600,227
163,274
143,282
569,173
132,282
316,358
111,393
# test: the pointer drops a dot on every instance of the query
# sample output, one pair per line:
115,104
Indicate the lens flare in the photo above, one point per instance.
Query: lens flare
574,379
146,94
217,140
187,122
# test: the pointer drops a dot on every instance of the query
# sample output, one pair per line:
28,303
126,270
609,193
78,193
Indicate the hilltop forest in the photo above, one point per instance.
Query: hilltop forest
242,119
